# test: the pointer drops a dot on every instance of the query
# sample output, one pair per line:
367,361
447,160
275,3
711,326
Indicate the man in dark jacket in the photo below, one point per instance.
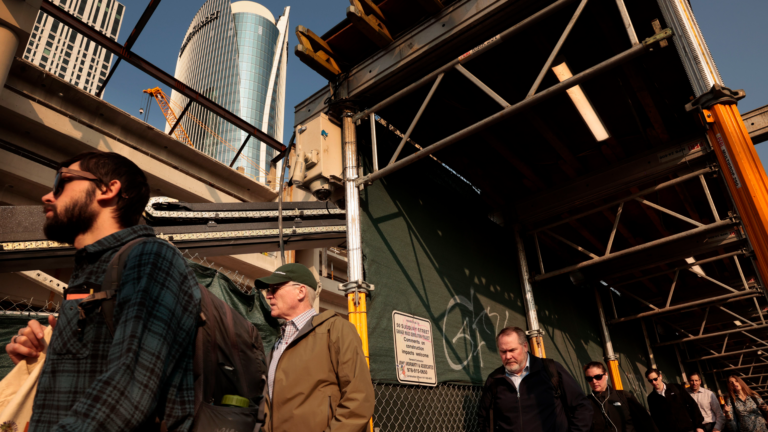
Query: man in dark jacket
529,394
672,408
614,410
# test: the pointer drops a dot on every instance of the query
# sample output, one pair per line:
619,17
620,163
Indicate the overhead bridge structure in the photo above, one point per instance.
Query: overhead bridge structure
599,139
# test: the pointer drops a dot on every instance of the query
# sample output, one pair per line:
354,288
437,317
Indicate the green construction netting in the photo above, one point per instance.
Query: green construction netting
431,250
253,306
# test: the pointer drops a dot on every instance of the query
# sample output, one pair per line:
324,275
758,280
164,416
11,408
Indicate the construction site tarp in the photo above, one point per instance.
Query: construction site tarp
433,251
253,306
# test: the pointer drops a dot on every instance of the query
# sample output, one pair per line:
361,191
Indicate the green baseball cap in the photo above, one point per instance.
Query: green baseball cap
287,273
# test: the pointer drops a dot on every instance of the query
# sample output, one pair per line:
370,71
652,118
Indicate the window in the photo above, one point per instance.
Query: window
61,75
49,44
63,69
29,50
40,17
80,70
55,26
67,54
70,47
34,35
47,52
65,61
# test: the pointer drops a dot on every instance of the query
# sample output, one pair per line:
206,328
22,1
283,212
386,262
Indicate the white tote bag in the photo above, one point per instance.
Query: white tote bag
18,389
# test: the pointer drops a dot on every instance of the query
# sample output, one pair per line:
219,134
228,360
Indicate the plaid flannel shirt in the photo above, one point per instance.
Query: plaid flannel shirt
92,382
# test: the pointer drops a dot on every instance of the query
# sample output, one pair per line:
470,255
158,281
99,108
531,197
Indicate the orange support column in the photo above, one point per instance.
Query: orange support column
741,167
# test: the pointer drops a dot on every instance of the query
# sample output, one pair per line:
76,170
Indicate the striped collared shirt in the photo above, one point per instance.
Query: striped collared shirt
288,331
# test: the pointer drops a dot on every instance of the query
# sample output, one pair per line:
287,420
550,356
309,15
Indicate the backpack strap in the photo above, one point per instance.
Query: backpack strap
107,297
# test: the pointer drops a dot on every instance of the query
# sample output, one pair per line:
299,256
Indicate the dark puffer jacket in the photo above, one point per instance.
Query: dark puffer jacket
676,411
536,409
620,413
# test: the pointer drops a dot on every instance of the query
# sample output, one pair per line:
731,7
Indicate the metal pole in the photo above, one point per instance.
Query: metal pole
534,332
645,246
651,360
181,116
687,266
556,50
627,22
547,94
416,119
482,86
628,198
610,356
726,354
352,196
373,143
463,59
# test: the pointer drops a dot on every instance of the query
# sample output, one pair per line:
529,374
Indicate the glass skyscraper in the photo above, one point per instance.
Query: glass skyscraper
66,53
236,55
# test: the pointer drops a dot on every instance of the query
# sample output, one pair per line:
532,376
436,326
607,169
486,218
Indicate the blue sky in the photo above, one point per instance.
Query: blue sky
735,31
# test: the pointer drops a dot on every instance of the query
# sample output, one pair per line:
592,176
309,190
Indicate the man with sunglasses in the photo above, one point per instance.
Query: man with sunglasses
124,377
318,376
672,408
614,410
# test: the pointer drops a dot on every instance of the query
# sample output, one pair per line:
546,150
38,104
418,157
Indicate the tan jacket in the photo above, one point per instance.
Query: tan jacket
322,382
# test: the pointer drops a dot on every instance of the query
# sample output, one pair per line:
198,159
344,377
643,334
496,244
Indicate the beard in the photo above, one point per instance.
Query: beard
513,368
69,222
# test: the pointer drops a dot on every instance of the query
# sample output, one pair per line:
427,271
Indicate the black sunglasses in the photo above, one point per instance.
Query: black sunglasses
597,377
60,182
653,380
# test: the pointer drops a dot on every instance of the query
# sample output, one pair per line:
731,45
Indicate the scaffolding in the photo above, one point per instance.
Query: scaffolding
661,217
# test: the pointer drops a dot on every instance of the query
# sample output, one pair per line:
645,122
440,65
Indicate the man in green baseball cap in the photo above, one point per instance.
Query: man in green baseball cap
315,351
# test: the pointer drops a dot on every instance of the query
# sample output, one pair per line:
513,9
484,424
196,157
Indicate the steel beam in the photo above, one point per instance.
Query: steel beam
148,11
496,40
728,298
721,333
87,31
643,192
544,95
644,246
687,266
728,354
756,122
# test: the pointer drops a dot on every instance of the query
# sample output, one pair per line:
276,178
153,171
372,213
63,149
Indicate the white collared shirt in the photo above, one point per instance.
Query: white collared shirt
516,378
662,391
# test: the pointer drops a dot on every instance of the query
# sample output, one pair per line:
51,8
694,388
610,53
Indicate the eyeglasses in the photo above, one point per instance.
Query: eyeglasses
274,289
60,182
597,377
653,380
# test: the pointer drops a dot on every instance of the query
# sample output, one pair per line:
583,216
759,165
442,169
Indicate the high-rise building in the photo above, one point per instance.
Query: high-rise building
66,53
235,54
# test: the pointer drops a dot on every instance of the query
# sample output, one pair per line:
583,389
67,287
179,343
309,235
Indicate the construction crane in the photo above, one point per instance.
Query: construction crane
170,116
181,134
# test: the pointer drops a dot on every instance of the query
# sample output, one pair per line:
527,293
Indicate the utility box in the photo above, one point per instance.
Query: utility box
317,164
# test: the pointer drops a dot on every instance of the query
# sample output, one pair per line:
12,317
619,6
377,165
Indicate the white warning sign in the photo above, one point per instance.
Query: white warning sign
414,349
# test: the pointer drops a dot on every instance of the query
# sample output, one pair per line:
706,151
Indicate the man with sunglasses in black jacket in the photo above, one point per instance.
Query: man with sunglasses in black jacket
614,410
672,408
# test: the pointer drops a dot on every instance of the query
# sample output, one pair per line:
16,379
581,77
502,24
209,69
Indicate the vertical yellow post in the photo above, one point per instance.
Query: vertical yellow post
536,343
613,370
741,167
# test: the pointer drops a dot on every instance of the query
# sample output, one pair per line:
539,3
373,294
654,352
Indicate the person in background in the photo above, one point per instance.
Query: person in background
672,408
744,408
614,410
708,404
531,394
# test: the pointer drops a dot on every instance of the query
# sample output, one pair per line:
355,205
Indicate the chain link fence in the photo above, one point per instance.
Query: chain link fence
444,408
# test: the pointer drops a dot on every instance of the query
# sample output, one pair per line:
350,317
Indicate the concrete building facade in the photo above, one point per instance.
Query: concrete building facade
66,53
235,54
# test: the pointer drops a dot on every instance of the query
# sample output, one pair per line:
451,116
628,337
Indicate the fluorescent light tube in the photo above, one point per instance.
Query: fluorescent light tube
582,104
